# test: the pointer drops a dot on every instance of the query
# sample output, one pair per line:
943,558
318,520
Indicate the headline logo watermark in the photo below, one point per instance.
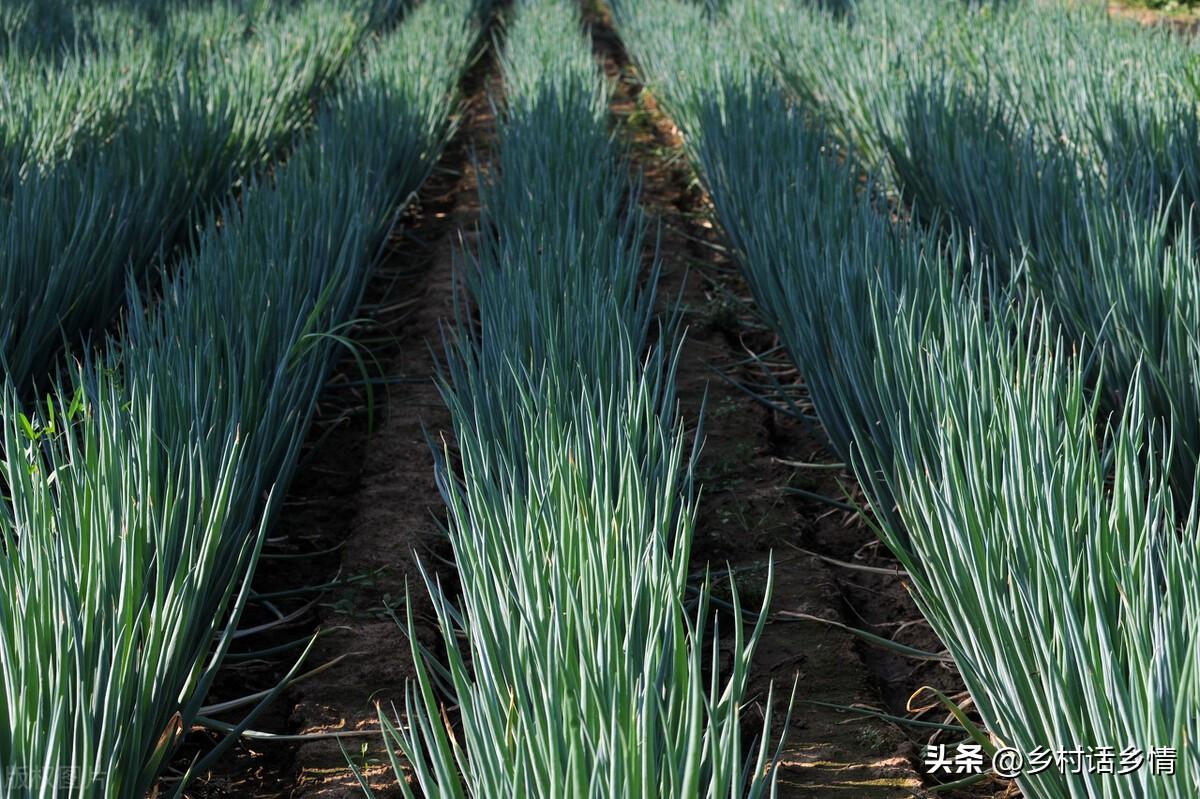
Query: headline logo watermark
26,779
967,759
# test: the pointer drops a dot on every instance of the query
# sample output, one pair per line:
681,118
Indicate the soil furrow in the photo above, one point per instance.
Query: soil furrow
397,510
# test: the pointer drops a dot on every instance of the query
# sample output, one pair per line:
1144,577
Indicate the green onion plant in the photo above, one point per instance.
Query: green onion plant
575,666
140,492
70,233
1035,515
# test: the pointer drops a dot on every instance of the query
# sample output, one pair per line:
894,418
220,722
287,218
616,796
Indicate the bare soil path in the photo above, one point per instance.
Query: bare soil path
1182,19
396,510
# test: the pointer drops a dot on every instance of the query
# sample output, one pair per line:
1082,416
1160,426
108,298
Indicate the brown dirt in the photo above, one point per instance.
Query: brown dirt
397,508
1182,20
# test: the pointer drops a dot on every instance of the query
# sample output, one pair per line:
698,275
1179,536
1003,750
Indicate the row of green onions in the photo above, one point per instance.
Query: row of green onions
139,499
575,666
71,232
55,30
1024,123
1035,516
1064,71
72,74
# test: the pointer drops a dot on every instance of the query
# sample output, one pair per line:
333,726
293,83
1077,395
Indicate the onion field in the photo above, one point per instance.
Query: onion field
598,398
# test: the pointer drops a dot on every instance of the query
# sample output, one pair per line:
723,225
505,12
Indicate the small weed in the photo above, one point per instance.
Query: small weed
725,408
872,738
